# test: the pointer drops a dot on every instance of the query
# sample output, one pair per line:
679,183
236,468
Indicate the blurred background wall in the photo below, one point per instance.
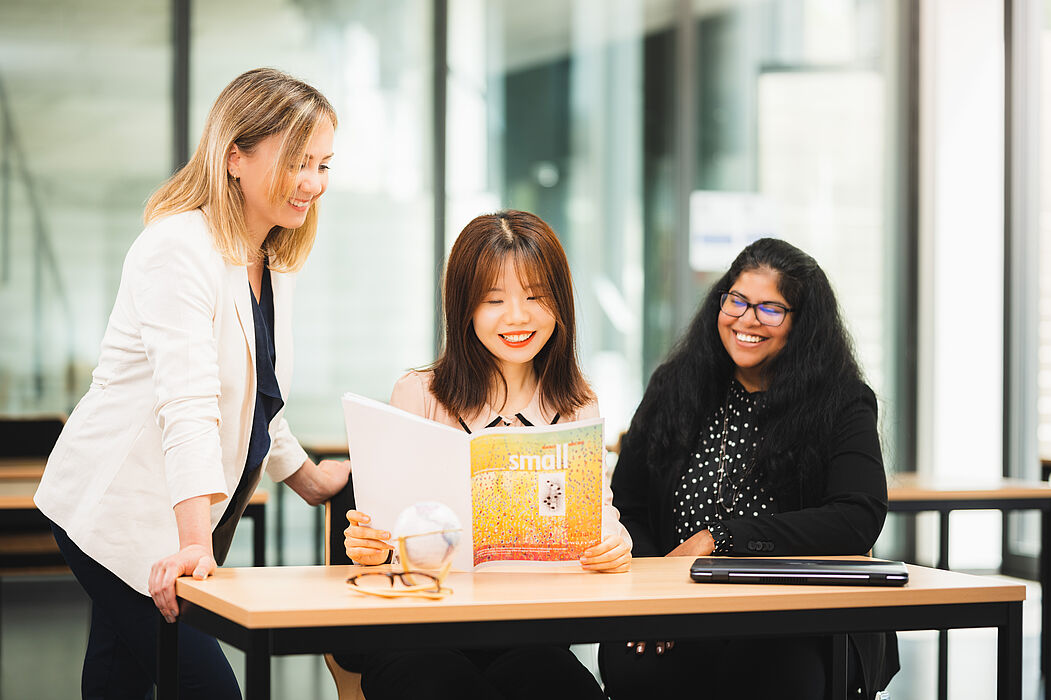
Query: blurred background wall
897,141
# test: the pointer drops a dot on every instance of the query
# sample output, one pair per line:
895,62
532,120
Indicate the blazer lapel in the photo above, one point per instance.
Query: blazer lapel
282,284
237,280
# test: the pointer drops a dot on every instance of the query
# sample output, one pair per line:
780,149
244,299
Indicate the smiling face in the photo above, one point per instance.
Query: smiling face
749,343
256,170
511,322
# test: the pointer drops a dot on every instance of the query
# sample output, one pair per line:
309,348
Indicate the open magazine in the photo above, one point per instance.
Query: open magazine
521,494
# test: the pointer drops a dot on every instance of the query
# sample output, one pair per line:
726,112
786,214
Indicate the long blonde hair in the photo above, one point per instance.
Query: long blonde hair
256,105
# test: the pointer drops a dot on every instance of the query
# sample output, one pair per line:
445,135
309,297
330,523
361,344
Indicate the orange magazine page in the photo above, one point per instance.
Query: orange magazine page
536,494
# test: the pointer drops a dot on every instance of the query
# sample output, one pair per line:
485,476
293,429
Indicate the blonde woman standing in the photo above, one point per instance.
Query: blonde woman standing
184,412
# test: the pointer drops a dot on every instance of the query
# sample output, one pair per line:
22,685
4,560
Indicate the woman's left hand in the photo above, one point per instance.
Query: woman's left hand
610,556
316,483
335,473
700,545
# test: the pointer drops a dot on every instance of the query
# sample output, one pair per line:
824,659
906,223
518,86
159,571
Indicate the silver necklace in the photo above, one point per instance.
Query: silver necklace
720,499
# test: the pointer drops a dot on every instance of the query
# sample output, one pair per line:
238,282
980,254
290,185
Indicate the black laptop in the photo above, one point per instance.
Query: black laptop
823,572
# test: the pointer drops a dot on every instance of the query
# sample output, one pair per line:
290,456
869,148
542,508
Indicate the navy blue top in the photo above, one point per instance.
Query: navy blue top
268,399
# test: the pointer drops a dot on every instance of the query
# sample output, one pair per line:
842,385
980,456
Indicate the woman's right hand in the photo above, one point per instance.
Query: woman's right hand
363,544
194,559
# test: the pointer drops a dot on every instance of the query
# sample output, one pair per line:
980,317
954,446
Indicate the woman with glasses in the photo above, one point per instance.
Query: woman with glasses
756,437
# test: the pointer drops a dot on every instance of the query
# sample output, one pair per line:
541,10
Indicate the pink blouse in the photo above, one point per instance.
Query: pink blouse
412,393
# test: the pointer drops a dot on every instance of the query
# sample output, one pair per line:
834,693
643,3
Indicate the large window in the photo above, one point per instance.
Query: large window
363,309
574,110
547,114
85,135
798,138
1044,381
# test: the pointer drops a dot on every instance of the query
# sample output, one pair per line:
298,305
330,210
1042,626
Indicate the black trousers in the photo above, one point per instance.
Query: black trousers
121,659
781,668
520,673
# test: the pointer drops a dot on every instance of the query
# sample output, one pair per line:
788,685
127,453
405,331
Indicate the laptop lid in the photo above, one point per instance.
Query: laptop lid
825,572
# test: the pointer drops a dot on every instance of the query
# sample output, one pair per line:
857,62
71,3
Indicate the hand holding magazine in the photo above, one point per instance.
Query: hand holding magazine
522,494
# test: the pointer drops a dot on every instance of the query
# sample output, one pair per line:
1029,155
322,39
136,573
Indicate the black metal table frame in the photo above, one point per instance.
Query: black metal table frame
945,506
261,644
257,512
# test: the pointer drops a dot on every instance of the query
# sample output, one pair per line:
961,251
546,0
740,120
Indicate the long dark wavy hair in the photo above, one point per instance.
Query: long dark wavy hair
809,382
466,375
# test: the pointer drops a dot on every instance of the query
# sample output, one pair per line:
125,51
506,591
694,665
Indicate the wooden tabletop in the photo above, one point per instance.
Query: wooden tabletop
320,596
917,487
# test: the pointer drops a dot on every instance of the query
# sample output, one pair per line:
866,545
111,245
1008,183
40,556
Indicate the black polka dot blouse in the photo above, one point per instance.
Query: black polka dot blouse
719,482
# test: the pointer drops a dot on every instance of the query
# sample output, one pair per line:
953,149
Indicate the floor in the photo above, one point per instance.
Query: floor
44,625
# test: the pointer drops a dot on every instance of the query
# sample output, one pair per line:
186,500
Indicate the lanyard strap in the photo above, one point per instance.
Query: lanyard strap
499,419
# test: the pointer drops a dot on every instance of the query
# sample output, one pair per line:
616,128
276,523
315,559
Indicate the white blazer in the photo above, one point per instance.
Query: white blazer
169,412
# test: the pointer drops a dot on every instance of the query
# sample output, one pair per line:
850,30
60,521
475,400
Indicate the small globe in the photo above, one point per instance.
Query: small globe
431,531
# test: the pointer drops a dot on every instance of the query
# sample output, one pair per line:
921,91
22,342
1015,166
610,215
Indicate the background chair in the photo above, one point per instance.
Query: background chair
348,683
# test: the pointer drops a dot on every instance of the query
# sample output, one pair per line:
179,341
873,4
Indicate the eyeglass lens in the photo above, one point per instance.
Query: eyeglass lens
767,314
386,579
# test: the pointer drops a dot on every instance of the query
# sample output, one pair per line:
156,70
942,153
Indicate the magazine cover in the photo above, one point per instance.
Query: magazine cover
536,496
522,494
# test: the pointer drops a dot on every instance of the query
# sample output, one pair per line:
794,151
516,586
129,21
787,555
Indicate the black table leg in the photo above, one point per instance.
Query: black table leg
259,537
167,660
1045,590
319,536
279,529
257,666
840,649
943,635
1009,655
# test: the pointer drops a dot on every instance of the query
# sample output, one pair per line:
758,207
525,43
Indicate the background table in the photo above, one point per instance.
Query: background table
914,493
26,543
309,610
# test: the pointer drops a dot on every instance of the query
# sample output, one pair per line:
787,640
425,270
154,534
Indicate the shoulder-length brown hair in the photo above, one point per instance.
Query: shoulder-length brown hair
257,104
466,375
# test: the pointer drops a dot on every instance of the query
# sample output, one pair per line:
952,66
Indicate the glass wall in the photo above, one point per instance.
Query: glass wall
546,114
1044,381
85,135
1028,438
569,109
794,137
364,310
797,139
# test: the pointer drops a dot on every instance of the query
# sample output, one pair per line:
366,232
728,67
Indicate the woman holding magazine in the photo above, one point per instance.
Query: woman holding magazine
756,437
510,360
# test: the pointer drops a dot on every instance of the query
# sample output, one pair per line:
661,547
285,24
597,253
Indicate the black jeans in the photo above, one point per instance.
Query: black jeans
781,668
121,659
520,673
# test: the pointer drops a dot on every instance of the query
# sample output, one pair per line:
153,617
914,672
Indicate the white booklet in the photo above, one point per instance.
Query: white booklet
521,493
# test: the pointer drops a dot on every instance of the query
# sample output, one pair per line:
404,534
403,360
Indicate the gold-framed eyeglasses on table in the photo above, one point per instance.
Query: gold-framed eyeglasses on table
410,581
